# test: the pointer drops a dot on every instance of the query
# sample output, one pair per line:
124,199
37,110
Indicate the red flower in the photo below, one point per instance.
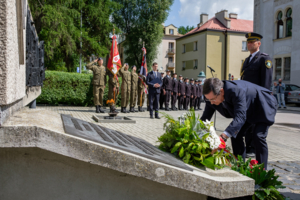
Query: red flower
223,144
253,162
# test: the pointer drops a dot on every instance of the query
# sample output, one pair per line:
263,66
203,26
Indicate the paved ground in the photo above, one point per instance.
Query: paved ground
283,139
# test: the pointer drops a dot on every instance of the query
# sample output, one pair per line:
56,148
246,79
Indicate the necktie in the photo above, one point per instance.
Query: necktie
155,74
249,59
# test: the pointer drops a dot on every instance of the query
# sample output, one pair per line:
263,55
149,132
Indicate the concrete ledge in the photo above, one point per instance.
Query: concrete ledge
46,132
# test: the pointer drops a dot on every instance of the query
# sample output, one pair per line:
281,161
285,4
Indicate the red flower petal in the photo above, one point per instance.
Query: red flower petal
223,144
253,162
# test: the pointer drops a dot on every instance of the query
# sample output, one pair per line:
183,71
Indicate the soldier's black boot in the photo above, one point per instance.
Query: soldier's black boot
126,111
131,109
100,110
141,109
97,109
122,110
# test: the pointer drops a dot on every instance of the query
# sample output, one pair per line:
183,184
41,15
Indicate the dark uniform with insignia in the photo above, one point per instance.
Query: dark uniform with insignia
174,93
181,93
162,96
167,87
199,95
187,94
247,104
193,94
257,70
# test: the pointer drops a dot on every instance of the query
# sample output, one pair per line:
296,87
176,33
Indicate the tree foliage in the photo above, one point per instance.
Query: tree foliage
58,24
141,21
183,30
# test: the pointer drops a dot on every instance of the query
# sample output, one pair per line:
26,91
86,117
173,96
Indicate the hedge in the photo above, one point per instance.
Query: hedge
69,89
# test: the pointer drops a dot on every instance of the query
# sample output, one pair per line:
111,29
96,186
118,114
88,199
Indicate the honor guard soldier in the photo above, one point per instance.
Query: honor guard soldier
197,93
162,96
246,103
141,93
167,88
174,91
181,92
134,88
113,86
187,94
199,96
257,69
99,82
193,94
125,87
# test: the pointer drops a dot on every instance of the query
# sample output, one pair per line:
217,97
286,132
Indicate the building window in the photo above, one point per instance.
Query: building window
287,69
244,46
183,49
183,65
279,25
196,46
289,23
171,47
171,31
195,64
278,68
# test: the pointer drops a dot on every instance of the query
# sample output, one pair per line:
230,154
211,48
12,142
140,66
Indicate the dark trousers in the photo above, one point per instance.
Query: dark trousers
161,99
186,102
249,139
153,103
192,102
180,101
260,133
167,98
198,102
174,99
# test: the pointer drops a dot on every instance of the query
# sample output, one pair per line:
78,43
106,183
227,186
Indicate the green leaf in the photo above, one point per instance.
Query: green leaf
260,195
177,145
186,158
267,191
209,162
181,152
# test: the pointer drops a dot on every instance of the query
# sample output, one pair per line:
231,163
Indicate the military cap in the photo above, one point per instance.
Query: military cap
162,72
186,78
167,70
180,75
133,66
99,59
191,79
174,74
196,80
253,36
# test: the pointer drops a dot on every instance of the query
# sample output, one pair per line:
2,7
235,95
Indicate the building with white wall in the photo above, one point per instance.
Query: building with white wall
279,24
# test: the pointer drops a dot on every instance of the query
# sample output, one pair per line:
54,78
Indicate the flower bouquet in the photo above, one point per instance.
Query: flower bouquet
194,141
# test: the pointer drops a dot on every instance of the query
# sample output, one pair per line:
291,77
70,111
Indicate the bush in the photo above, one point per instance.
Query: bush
70,89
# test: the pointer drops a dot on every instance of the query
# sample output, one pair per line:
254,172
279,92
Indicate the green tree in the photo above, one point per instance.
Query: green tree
141,21
183,30
58,24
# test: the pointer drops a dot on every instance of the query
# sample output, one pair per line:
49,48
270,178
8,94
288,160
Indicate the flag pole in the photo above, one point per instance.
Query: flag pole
142,80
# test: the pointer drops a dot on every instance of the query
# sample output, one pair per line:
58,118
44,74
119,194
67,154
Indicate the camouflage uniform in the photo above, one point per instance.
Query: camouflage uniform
141,96
125,88
133,92
112,83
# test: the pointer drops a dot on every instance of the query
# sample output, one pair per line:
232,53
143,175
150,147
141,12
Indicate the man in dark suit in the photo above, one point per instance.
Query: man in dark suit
258,69
187,94
153,90
167,89
199,96
247,104
174,91
181,93
193,93
162,96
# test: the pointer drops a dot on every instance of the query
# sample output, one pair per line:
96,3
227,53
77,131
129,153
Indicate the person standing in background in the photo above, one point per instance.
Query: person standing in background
199,96
181,93
162,96
167,89
280,88
187,94
174,91
193,94
134,88
125,87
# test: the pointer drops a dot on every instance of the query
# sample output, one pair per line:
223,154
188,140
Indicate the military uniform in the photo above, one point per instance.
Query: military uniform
257,69
193,95
181,94
174,93
112,83
199,95
162,95
187,95
134,90
99,83
141,95
167,87
125,88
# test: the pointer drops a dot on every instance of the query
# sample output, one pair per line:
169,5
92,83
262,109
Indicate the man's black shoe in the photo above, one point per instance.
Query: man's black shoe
199,108
97,109
157,117
151,117
167,109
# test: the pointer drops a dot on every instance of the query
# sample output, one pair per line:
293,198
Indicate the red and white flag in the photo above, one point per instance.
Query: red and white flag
114,61
144,71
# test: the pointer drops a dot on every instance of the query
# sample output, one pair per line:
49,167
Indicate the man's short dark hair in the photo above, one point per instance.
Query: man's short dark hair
212,84
155,63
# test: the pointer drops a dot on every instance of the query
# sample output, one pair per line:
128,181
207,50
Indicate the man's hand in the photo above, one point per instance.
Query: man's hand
171,93
192,96
114,89
156,85
184,96
164,92
96,60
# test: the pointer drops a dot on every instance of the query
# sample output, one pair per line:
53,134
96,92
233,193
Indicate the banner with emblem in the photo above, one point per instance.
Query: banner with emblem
114,61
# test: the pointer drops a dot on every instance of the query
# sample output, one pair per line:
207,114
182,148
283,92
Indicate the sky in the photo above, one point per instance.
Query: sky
187,12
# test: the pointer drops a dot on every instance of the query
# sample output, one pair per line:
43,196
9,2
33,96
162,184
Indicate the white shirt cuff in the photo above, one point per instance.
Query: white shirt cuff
227,134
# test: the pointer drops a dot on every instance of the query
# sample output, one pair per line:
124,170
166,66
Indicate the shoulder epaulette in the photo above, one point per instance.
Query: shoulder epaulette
264,54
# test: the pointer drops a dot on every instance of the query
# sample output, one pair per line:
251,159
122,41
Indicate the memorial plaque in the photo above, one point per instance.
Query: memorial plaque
118,140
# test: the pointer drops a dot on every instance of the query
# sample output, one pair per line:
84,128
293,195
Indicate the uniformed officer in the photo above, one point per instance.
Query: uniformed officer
113,86
197,93
167,89
181,93
162,96
247,104
99,82
174,92
134,88
125,87
258,69
199,96
187,94
141,93
193,93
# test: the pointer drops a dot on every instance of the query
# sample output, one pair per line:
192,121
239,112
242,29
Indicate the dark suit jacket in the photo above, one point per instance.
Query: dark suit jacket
193,90
151,88
256,71
181,87
167,83
188,91
174,85
244,101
